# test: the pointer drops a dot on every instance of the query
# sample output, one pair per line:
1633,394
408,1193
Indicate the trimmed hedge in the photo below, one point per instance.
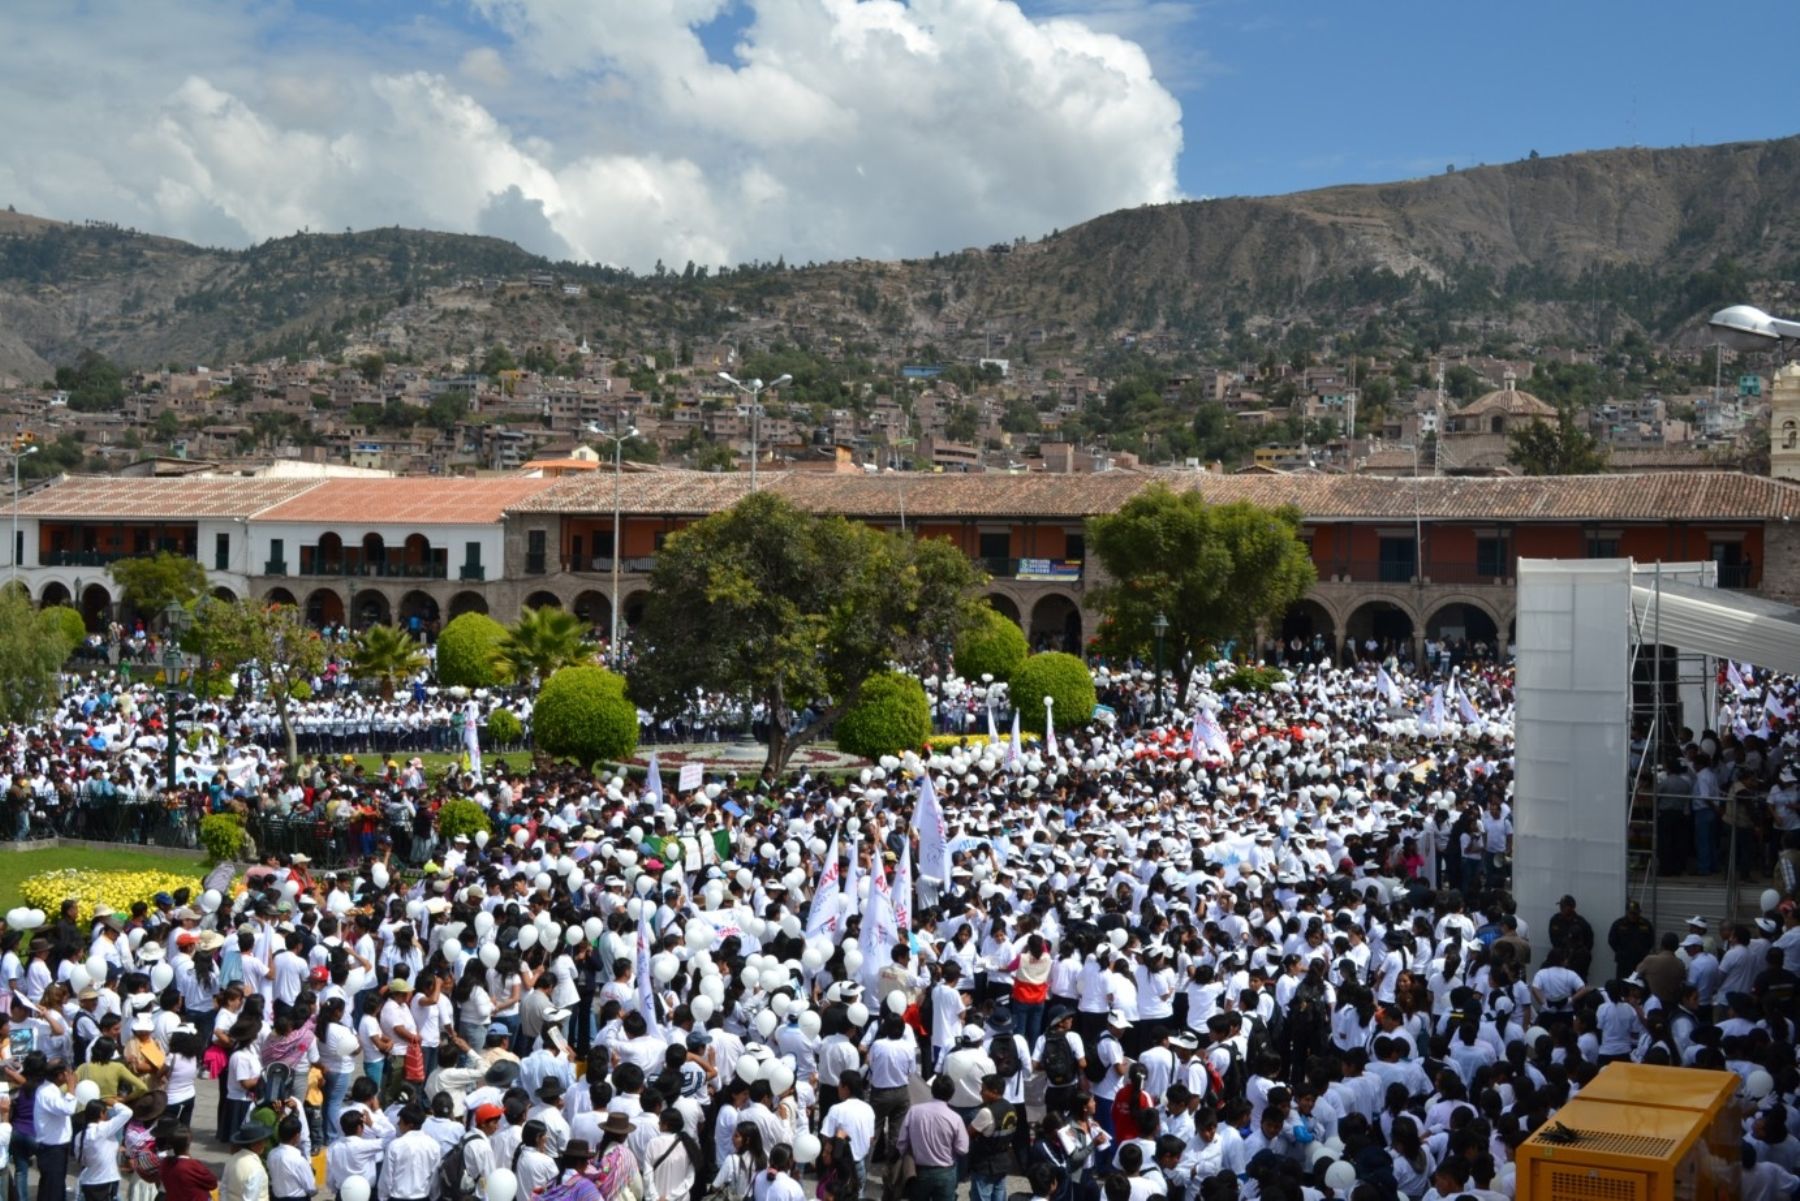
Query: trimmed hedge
465,652
993,645
1063,678
504,728
890,715
223,836
462,817
583,714
1253,679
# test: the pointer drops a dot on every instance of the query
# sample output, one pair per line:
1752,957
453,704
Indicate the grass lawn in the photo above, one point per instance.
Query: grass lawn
16,867
436,762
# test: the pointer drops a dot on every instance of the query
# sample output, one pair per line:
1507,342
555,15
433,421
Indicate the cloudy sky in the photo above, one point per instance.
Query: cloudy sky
626,131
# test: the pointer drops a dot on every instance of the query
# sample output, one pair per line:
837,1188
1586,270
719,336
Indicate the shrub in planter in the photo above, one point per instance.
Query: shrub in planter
993,645
1063,678
1253,679
465,652
223,836
462,817
891,715
582,713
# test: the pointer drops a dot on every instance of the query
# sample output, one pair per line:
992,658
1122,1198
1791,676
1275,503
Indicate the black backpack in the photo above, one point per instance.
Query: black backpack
1004,1051
454,1182
1235,1080
1059,1061
1096,1070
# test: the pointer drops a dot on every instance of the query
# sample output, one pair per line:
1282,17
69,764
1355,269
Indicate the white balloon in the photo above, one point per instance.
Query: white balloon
633,908
502,1185
210,900
379,874
290,889
573,935
96,968
644,884
750,975
86,1091
896,1002
78,979
541,881
858,1013
749,1067
780,1077
521,836
773,978
1758,1084
1118,938
528,936
713,989
766,1022
593,927
853,961
811,1022
1771,900
806,1147
354,1188
484,923
811,959
699,935
481,838
161,976
664,968
702,1008
1340,1177
780,1004
490,954
551,936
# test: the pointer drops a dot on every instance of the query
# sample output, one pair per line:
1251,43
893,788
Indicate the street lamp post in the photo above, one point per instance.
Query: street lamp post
754,390
1160,625
175,620
618,437
14,552
1746,327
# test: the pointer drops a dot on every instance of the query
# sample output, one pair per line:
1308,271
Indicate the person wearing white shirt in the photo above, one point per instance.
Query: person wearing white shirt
352,1152
97,1149
290,1161
410,1163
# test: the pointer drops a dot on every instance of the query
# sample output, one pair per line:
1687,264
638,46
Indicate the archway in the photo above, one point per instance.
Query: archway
324,608
543,600
374,551
1383,623
1055,625
419,613
1307,632
280,596
96,606
54,593
595,610
636,605
467,602
224,594
1002,604
371,609
1463,623
416,554
328,556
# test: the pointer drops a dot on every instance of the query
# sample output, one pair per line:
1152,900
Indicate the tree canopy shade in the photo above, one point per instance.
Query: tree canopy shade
275,640
1215,571
1541,448
795,610
33,646
151,582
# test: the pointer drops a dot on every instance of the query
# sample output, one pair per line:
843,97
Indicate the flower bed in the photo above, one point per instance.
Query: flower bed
48,890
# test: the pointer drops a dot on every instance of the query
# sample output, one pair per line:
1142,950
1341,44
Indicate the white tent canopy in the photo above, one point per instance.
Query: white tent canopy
1727,625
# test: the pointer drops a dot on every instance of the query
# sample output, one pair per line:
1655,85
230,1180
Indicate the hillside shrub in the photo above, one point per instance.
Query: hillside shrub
993,645
582,713
890,715
465,652
1063,678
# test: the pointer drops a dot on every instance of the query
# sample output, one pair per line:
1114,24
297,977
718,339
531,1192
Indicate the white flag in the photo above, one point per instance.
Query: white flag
903,888
822,917
928,820
879,933
1774,708
1214,737
1384,684
993,734
1014,756
853,882
653,781
1466,710
1195,745
1735,678
1050,730
646,983
1434,707
472,740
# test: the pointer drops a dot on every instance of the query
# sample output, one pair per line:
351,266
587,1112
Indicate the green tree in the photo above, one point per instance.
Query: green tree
1063,678
1564,448
387,655
370,367
582,713
272,639
1214,571
167,426
814,606
539,643
94,383
992,645
69,623
891,715
466,650
33,646
150,584
498,359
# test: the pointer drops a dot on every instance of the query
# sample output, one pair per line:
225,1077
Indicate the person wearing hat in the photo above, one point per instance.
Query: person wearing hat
1571,932
548,1110
246,1178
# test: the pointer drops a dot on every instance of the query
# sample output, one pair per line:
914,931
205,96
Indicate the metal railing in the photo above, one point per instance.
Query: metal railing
1373,571
385,570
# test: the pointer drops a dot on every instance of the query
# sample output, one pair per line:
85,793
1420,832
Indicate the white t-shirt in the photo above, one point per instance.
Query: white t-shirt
366,1029
855,1120
338,1051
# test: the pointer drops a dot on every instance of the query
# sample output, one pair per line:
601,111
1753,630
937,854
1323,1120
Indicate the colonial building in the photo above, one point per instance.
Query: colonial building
1397,559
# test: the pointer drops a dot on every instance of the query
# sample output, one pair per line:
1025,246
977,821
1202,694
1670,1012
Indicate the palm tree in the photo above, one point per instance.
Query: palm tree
386,654
542,641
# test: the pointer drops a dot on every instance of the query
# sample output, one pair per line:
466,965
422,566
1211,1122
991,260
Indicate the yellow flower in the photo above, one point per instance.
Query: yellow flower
117,889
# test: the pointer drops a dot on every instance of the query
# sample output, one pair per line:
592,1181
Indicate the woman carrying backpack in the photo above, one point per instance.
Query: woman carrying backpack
1062,1058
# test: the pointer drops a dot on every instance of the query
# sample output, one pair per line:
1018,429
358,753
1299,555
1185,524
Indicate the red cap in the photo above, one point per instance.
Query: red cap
487,1113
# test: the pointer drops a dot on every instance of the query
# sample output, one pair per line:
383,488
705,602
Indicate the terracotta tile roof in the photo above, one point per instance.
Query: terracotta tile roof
408,501
683,493
103,497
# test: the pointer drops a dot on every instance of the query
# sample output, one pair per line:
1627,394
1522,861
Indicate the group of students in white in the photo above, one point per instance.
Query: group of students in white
1198,961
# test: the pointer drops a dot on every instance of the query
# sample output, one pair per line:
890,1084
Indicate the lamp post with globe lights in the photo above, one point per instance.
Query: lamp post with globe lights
754,390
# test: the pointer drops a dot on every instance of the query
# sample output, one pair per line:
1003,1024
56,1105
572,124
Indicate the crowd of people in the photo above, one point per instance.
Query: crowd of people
1262,949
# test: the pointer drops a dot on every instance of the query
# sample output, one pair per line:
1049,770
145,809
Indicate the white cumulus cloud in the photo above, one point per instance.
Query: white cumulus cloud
603,130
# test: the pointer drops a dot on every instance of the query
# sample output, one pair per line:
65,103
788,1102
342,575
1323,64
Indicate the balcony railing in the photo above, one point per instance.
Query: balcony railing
275,567
472,571
392,571
1373,571
1048,571
83,558
603,564
1736,575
